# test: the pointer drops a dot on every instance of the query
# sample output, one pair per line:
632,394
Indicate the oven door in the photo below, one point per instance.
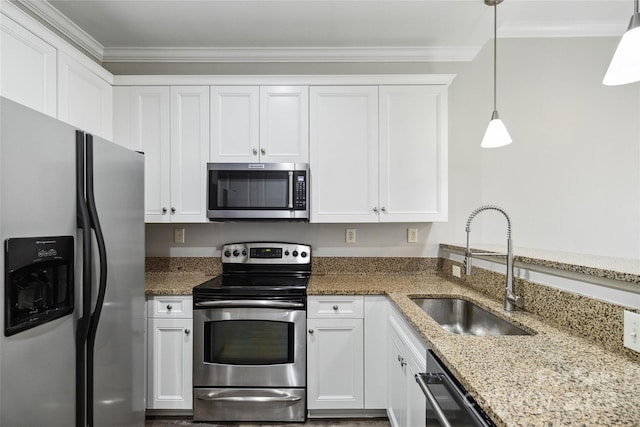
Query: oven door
262,346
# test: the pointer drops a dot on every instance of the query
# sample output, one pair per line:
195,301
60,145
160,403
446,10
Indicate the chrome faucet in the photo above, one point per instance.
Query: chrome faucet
510,299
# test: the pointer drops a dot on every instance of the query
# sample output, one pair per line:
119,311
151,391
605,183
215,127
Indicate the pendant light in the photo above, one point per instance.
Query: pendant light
625,64
496,134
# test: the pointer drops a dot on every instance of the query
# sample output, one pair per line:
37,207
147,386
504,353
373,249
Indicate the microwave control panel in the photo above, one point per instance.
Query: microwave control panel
300,190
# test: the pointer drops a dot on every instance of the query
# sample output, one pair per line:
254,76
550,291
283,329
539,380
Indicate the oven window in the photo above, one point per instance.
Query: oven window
248,342
248,190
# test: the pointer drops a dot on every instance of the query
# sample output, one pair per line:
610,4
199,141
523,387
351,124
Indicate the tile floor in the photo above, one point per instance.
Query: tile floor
352,422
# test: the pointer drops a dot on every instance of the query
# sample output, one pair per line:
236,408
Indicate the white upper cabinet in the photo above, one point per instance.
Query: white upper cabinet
251,124
413,154
85,100
189,152
343,153
27,68
284,124
235,124
378,154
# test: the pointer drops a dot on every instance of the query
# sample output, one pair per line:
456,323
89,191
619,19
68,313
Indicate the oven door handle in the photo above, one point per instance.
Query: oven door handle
252,399
433,401
249,303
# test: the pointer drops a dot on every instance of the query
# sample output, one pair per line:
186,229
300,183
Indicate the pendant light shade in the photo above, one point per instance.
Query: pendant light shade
496,134
625,65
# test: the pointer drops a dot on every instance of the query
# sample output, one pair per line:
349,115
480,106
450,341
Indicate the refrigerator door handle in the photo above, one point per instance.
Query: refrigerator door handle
102,281
82,330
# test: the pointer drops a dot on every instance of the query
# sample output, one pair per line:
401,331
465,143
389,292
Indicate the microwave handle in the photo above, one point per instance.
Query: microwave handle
290,189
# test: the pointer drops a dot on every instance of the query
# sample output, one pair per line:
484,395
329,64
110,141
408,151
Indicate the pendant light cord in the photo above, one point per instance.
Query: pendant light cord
495,52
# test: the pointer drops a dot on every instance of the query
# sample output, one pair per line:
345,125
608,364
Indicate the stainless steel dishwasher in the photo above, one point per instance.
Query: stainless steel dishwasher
448,404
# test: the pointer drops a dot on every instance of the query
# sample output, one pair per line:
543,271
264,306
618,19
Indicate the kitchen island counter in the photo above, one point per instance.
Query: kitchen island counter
548,378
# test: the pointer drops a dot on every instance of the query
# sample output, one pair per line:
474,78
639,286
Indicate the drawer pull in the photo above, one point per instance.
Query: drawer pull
169,307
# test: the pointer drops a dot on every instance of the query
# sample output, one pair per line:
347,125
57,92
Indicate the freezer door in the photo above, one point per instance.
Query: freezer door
119,371
37,198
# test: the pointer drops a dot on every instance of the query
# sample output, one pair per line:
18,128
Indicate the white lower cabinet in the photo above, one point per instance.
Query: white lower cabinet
345,368
170,353
406,356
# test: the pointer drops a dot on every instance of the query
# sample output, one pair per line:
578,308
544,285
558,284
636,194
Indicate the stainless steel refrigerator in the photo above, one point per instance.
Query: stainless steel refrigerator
71,217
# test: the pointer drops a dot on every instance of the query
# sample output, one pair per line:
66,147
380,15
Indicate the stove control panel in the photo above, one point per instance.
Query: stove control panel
266,253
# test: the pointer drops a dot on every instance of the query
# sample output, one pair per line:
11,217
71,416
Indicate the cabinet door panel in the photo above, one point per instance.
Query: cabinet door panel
344,153
28,68
170,362
335,359
189,152
150,131
235,124
412,153
284,124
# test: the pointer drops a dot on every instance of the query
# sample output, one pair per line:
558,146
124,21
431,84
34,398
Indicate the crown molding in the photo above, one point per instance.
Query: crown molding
43,10
537,29
289,54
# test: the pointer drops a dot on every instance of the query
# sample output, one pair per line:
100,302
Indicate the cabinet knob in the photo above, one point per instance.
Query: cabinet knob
263,151
255,151
383,209
335,307
173,211
164,211
311,331
169,307
401,360
375,209
187,331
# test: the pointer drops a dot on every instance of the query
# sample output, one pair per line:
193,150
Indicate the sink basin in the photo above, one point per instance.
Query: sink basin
465,318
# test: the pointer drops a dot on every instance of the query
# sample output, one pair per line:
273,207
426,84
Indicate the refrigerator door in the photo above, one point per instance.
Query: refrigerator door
37,192
119,372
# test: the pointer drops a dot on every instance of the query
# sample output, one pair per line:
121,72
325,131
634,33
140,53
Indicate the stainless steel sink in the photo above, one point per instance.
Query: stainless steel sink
465,318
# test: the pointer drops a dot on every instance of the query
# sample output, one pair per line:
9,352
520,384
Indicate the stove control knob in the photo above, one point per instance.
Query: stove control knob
303,254
286,253
244,252
227,254
295,253
236,253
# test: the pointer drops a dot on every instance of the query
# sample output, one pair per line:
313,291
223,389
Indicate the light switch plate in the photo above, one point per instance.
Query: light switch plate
632,330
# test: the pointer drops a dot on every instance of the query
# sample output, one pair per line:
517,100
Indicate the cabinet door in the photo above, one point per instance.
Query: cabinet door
284,124
343,153
334,364
150,132
235,124
85,100
27,68
397,389
413,153
189,152
170,364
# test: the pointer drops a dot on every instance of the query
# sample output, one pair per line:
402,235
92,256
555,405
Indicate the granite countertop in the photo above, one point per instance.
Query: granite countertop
166,283
549,378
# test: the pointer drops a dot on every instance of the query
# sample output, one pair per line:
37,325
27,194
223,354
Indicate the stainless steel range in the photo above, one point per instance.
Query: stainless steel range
249,358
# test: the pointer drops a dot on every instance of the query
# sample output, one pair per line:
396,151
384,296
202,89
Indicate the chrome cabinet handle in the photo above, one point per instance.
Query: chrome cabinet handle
255,151
375,209
173,211
263,151
335,307
311,331
187,331
164,211
383,209
401,360
169,307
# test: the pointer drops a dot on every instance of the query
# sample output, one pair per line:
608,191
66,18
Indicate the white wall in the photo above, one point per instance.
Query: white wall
570,180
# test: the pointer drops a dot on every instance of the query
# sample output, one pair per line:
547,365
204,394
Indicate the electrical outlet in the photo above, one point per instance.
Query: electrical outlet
412,235
632,330
456,271
178,235
350,235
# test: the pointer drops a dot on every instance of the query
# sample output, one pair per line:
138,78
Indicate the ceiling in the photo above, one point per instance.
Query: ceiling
316,30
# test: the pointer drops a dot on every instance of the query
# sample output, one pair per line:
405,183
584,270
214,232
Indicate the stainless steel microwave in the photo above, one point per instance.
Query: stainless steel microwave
237,191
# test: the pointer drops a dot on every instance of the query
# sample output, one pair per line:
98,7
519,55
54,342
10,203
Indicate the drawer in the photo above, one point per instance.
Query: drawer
178,307
335,306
